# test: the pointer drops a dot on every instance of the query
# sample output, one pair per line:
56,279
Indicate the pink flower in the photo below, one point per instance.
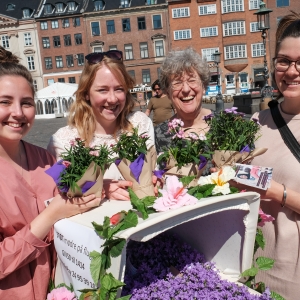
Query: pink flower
66,163
61,293
94,153
202,137
264,218
193,136
144,136
72,142
173,196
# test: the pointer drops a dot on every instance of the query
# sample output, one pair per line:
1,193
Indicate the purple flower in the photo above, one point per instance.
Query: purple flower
255,120
232,110
208,117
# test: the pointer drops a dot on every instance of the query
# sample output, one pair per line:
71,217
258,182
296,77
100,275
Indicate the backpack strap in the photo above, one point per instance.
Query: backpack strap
284,130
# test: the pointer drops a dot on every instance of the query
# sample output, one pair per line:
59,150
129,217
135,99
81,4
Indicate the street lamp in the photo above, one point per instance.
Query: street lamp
263,20
219,98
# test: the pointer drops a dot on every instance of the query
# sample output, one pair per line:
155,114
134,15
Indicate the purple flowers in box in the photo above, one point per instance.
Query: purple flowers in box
167,268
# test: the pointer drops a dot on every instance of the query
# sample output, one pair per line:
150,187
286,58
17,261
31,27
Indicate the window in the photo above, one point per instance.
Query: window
254,4
61,79
207,9
182,34
71,6
146,76
208,53
113,47
44,25
209,31
232,6
46,42
257,49
98,49
144,50
234,28
80,59
157,22
50,81
67,40
141,23
72,80
159,48
76,21
5,41
110,25
180,12
253,27
59,7
126,24
56,41
149,2
95,28
27,13
27,39
48,63
35,86
10,6
54,24
235,51
99,5
65,23
280,3
70,61
48,9
128,51
124,3
59,61
78,38
30,63
132,74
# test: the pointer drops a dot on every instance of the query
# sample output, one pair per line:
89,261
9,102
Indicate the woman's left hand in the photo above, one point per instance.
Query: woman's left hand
157,183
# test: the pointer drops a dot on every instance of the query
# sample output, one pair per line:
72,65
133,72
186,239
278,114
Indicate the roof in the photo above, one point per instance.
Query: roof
57,89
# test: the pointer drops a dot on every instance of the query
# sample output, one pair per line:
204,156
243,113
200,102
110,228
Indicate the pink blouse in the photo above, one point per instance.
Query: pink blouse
26,262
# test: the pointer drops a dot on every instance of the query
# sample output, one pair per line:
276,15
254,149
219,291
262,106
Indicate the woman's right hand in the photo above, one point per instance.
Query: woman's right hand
117,189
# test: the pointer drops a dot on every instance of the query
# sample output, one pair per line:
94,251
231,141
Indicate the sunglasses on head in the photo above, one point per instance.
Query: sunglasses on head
94,58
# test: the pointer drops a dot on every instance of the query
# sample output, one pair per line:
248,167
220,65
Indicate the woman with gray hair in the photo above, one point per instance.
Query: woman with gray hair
184,78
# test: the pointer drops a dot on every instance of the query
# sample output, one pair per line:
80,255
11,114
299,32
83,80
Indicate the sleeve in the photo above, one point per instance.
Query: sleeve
150,105
19,250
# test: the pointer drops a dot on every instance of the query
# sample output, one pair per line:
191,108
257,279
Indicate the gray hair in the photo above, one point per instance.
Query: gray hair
178,62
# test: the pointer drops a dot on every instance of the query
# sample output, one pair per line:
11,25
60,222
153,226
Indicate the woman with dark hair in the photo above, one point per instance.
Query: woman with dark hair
27,255
101,112
281,200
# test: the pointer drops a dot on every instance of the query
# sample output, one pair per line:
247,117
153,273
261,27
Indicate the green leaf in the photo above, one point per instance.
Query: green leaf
95,266
259,239
115,246
138,204
89,294
250,272
51,285
130,220
208,192
105,259
106,227
108,282
125,297
276,296
148,200
260,287
98,228
186,180
264,263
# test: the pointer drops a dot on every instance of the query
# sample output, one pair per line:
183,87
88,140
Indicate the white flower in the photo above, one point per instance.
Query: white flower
219,178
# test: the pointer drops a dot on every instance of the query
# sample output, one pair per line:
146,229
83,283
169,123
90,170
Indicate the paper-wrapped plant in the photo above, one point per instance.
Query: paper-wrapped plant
80,171
231,137
186,155
136,162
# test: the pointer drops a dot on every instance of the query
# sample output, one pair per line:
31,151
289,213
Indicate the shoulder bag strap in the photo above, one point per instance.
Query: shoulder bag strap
284,130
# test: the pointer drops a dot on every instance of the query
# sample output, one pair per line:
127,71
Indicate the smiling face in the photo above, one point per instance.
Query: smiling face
17,110
107,97
288,82
186,94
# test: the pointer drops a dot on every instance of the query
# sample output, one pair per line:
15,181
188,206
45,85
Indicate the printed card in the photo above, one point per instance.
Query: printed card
255,176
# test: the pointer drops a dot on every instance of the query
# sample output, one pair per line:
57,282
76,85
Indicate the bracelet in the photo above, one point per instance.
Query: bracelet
284,196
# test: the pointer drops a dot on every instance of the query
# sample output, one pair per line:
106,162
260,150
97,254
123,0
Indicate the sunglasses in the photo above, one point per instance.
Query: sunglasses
94,58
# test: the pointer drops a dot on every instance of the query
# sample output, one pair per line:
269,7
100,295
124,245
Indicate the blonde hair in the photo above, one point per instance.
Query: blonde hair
81,113
10,66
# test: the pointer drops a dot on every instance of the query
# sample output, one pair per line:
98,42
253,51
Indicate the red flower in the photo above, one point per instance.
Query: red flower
66,163
117,218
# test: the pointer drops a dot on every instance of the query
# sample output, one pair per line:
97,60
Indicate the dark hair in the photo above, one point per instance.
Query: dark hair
156,82
10,66
289,26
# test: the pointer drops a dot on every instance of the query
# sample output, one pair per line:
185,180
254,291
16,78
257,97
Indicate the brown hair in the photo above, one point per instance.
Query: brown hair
10,66
81,113
289,26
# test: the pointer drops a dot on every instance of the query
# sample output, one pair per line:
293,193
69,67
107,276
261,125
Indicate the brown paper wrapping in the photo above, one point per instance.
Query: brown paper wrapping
190,169
91,174
229,158
145,187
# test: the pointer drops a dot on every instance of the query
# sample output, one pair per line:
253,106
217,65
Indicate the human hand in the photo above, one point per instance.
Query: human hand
158,183
116,189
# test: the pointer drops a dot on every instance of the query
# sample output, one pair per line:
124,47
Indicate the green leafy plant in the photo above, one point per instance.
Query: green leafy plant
130,145
186,147
230,131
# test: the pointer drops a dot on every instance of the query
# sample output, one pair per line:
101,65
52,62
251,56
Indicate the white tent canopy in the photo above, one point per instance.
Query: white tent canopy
54,100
